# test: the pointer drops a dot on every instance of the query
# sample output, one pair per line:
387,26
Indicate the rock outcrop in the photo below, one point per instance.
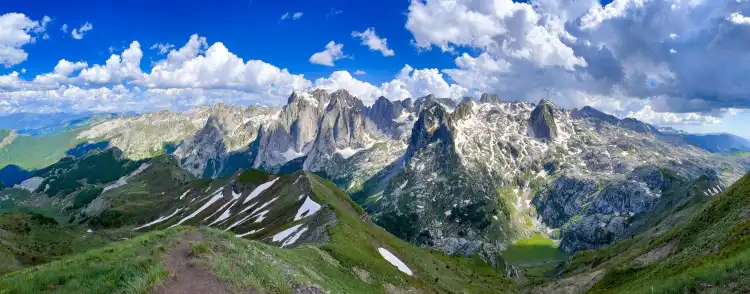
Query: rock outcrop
489,98
542,121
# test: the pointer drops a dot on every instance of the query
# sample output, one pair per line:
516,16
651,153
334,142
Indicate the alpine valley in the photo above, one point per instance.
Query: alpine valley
328,195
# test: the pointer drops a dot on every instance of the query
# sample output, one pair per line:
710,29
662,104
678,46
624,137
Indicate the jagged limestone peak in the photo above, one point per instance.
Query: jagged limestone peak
433,125
464,109
542,121
489,98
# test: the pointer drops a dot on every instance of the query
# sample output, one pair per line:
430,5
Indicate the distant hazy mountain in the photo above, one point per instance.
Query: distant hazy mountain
47,123
718,143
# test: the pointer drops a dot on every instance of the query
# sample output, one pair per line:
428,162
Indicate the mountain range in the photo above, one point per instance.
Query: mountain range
476,178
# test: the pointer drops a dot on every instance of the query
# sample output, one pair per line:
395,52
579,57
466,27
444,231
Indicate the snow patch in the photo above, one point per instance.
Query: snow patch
225,214
294,238
184,194
308,208
261,216
249,233
348,152
213,199
290,154
259,190
285,233
392,259
158,220
124,180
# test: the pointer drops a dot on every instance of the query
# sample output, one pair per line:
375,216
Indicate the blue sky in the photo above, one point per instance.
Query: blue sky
666,62
250,29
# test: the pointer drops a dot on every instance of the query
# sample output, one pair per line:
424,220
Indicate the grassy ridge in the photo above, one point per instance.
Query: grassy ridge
30,239
349,262
132,266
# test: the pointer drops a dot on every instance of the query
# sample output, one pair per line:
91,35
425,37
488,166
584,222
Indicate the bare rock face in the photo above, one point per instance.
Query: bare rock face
489,98
291,135
542,121
343,131
426,101
145,135
228,133
383,112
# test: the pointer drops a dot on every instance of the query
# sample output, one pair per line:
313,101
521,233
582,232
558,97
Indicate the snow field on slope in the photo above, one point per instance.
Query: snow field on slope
259,189
392,259
308,208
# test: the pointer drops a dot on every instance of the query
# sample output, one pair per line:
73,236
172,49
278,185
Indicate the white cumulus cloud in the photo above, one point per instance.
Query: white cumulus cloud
503,28
647,114
79,32
163,48
16,31
370,39
328,56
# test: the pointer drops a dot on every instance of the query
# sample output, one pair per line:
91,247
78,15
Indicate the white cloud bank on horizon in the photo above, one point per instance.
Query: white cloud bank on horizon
194,74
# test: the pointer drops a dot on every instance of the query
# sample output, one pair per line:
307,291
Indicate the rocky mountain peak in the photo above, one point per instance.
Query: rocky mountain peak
425,101
342,98
489,98
343,129
464,109
383,112
588,112
636,125
406,104
433,125
542,121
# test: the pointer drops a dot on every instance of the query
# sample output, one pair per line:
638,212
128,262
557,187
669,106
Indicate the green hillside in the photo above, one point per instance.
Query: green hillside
30,239
130,266
341,250
34,152
707,253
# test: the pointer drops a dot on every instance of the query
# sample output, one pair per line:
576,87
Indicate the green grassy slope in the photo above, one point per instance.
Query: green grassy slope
35,152
707,253
347,260
32,239
146,194
131,266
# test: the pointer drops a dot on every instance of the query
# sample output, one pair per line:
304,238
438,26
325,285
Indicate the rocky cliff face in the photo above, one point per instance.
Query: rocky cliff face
489,98
145,135
437,201
475,178
291,135
343,131
228,133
